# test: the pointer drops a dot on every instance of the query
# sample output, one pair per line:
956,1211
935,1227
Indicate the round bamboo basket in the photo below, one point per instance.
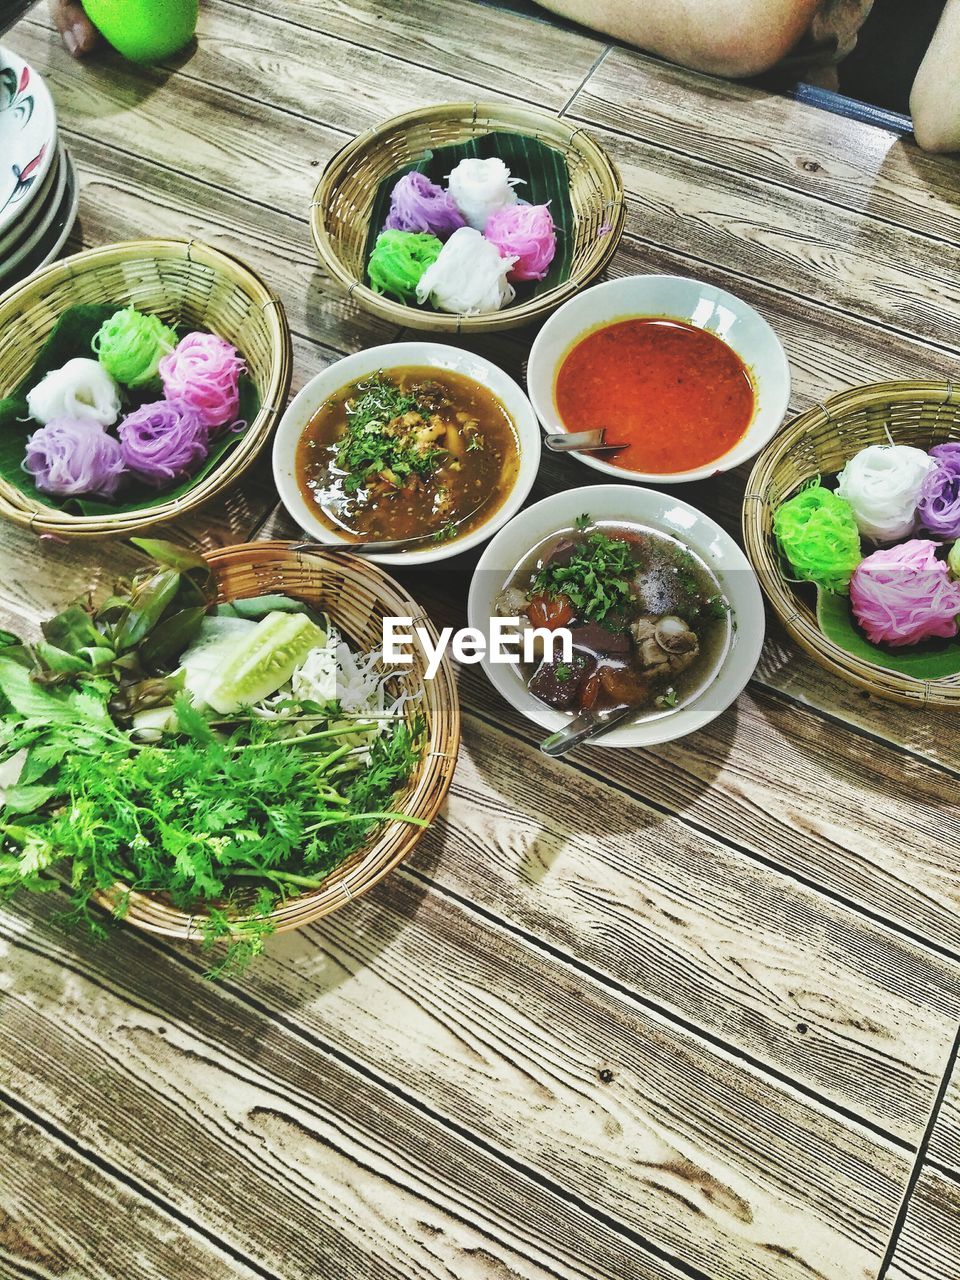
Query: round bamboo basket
358,596
820,442
183,282
343,201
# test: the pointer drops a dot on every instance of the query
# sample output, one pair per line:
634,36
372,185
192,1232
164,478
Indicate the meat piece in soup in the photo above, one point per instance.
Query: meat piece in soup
408,453
647,619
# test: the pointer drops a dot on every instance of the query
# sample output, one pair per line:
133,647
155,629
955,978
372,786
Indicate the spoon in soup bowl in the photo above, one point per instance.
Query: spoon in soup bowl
581,441
585,727
385,545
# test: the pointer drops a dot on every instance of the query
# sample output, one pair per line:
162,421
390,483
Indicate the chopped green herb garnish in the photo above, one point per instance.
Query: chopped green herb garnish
372,443
582,522
446,533
596,579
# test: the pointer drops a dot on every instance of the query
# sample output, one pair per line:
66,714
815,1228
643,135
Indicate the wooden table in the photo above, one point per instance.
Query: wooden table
684,1014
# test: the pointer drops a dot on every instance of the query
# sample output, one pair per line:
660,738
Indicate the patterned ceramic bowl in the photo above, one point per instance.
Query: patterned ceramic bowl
28,136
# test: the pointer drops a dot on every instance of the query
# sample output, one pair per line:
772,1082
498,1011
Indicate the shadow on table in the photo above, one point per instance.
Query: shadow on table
313,962
608,795
124,86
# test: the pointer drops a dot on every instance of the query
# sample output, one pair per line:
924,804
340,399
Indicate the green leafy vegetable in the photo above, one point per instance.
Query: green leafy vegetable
595,579
371,444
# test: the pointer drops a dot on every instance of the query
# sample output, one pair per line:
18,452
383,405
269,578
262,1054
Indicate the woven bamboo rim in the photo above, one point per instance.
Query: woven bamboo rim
343,201
358,596
821,441
182,281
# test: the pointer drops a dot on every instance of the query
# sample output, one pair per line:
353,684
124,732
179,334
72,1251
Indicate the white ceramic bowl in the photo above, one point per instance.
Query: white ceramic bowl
631,505
28,136
392,356
673,298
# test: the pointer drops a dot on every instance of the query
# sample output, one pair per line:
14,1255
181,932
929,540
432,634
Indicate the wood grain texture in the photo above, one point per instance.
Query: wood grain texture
118,194
670,912
876,270
902,867
745,129
273,1140
828,351
487,48
483,1031
728,780
944,1146
675,913
178,118
354,84
928,1246
73,1235
830,256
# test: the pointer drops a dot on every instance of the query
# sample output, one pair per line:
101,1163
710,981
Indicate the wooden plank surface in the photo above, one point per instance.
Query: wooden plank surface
944,1146
292,1155
928,1246
505,1042
484,46
778,139
629,896
693,1006
73,1236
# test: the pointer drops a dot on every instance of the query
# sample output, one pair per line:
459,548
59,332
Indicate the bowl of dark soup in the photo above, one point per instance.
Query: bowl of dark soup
618,598
415,443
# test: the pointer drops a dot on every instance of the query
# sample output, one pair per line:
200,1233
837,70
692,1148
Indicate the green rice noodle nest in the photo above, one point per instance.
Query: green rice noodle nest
818,535
398,261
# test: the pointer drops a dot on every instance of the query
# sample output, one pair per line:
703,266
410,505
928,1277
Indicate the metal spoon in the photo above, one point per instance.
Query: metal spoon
585,727
386,545
362,548
568,441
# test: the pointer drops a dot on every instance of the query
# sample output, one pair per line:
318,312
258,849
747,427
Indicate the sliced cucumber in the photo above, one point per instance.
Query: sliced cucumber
263,660
218,638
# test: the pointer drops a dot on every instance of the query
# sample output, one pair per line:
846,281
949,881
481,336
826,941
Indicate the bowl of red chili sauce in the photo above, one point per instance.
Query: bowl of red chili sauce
688,378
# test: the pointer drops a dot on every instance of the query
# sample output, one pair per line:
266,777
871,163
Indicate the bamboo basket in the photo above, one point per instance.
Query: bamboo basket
343,201
821,441
358,596
183,282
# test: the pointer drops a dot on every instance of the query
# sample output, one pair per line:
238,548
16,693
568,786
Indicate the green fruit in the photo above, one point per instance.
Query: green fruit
263,661
144,30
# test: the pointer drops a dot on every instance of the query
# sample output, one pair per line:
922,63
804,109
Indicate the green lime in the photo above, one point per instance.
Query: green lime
144,30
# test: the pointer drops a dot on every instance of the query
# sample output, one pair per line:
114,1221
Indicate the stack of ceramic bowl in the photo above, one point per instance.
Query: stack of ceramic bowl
38,184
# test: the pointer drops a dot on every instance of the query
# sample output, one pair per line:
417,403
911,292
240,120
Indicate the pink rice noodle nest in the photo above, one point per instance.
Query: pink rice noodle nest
905,594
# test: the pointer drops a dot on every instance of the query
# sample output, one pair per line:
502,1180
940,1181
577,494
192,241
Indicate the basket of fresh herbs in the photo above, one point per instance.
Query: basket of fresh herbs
216,751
